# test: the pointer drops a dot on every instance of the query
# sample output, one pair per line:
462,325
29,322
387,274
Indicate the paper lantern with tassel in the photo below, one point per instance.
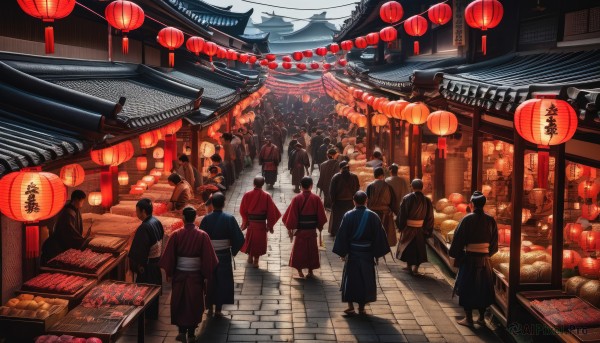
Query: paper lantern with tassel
391,12
360,43
72,175
415,26
210,49
388,34
95,198
361,121
334,48
483,15
372,38
415,113
148,139
31,196
125,16
123,178
442,123
195,45
48,11
141,163
170,38
440,14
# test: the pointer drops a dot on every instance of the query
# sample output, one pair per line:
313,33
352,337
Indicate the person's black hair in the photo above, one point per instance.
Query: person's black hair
259,181
326,141
216,158
394,169
184,158
175,178
189,215
145,205
377,172
377,154
218,200
77,195
417,184
306,182
346,158
211,168
360,198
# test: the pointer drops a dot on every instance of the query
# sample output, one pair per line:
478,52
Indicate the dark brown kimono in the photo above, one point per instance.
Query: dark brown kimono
415,207
343,186
326,172
381,201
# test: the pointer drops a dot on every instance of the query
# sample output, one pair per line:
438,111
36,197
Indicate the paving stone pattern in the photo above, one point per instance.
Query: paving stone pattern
273,305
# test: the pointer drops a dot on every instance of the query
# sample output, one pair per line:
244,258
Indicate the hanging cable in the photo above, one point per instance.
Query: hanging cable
302,9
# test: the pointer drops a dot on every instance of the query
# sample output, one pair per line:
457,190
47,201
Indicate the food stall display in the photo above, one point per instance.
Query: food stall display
108,243
85,261
116,293
66,339
58,283
27,316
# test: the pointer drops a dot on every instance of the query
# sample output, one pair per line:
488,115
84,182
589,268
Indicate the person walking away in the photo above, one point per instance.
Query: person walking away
259,215
415,222
343,187
399,184
228,157
182,193
382,201
303,218
300,164
327,170
269,159
68,229
189,262
322,152
360,242
475,241
227,239
315,143
145,251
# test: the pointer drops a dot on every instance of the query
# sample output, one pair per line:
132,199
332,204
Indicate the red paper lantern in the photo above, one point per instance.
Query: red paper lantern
297,56
372,38
347,45
307,53
270,57
361,121
590,240
571,258
590,211
342,62
210,49
572,232
314,65
301,66
588,190
171,128
391,12
388,34
306,98
113,155
243,58
504,235
170,38
195,45
483,15
415,113
47,11
442,123
264,62
379,120
286,65
322,51
72,175
148,139
232,55
398,107
287,59
141,163
440,14
415,26
334,48
589,267
273,65
125,16
221,53
252,59
123,178
545,122
326,66
360,43
31,196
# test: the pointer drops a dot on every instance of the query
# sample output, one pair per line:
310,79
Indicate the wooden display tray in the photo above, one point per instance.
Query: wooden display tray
136,314
74,299
115,251
569,335
27,329
106,268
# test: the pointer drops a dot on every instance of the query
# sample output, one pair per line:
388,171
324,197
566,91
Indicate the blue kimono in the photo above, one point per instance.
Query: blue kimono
361,240
227,239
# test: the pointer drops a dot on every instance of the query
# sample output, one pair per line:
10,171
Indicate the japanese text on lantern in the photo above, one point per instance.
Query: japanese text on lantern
31,205
551,128
458,23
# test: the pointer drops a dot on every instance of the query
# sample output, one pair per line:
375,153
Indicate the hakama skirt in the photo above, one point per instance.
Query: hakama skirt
220,290
359,282
338,209
305,251
474,283
256,239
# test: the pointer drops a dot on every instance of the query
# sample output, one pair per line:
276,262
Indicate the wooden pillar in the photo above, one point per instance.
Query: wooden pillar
439,189
369,142
195,146
411,158
401,137
558,209
418,147
476,153
391,139
515,233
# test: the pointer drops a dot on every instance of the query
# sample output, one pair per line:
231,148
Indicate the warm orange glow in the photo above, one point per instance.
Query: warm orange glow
545,122
456,198
95,198
141,163
442,123
148,139
158,153
72,175
415,113
572,232
571,258
114,155
123,178
589,267
379,120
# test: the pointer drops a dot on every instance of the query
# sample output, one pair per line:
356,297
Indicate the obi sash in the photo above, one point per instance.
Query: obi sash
307,222
257,217
155,250
221,244
414,223
189,264
360,246
482,248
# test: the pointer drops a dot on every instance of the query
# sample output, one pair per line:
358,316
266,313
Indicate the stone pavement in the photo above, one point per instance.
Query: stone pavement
273,305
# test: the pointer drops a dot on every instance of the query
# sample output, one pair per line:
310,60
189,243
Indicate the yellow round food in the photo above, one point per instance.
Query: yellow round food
449,210
544,271
39,299
590,291
25,297
441,204
33,306
45,306
529,274
458,216
573,284
504,268
13,302
23,304
42,314
499,257
534,256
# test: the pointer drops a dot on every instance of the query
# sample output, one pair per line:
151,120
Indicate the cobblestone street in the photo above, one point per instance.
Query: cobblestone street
273,305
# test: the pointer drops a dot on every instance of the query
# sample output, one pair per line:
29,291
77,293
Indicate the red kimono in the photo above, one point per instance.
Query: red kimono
305,215
259,215
190,260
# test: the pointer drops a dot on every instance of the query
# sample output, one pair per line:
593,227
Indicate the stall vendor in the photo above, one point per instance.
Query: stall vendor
182,193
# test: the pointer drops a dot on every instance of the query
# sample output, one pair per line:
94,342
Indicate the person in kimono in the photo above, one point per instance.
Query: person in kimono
343,187
360,242
303,218
327,170
399,184
382,201
315,143
269,158
229,157
415,222
227,239
145,251
182,193
299,165
259,215
377,160
186,170
189,262
475,241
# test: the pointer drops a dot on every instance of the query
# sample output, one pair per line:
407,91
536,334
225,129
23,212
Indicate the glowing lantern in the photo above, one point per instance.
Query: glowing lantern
210,49
334,48
504,234
148,139
525,215
590,240
360,43
372,38
221,53
141,162
590,211
137,190
149,180
172,128
95,198
391,12
159,165
252,59
488,148
272,65
571,258
326,66
456,198
232,55
48,11
31,196
574,171
123,178
195,45
270,57
72,175
379,120
170,38
415,26
486,190
156,173
158,153
322,51
305,98
588,190
572,232
503,165
297,56
314,65
589,267
440,14
142,184
415,113
442,123
286,59
347,45
388,34
286,65
398,107
361,121
125,16
483,15
114,155
545,122
243,58
307,53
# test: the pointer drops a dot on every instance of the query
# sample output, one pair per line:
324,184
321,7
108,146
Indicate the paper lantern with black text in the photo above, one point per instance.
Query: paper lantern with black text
170,38
483,15
47,11
72,175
